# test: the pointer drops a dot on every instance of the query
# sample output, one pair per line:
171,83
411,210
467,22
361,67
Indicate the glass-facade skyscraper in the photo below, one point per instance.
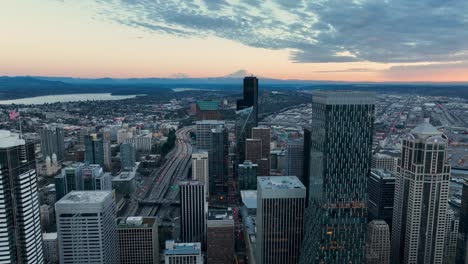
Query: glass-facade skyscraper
341,150
250,96
245,121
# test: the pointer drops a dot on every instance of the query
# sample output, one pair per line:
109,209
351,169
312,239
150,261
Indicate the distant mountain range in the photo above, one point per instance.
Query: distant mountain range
28,86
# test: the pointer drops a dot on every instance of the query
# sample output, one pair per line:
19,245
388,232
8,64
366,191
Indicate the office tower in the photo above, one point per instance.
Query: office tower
253,149
381,186
200,168
71,179
385,162
250,98
378,242
203,133
218,162
127,156
19,211
138,240
193,211
86,228
50,248
280,219
247,175
421,197
220,236
245,121
451,236
264,134
306,162
47,215
94,178
186,253
52,142
462,243
208,110
97,151
295,156
341,150
123,135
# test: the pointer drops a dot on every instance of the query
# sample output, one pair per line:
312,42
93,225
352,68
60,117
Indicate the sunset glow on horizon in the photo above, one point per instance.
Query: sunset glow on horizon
95,39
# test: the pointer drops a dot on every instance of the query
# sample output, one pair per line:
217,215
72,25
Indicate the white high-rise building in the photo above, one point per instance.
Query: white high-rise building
50,243
384,162
193,212
20,216
280,219
378,242
200,168
421,198
86,228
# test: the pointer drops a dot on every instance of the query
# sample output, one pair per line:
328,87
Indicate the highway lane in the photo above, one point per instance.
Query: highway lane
174,169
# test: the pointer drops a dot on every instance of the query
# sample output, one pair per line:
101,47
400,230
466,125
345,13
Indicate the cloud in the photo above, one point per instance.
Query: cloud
383,31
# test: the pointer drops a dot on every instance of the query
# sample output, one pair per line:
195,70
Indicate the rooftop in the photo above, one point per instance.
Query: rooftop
425,129
343,97
386,174
220,214
8,139
208,105
85,197
49,236
182,248
249,198
136,221
280,182
124,176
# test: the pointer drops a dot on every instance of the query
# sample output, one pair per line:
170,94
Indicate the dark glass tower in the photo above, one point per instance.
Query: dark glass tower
381,192
341,149
250,96
218,162
52,142
245,121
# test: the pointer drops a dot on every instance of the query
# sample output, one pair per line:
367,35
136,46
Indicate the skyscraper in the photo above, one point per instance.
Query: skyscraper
138,240
421,197
341,149
295,156
52,141
20,232
381,186
97,151
203,132
71,179
250,98
220,236
245,121
218,163
462,244
306,162
253,149
378,242
280,219
451,236
200,168
247,175
86,228
264,134
193,212
127,156
186,253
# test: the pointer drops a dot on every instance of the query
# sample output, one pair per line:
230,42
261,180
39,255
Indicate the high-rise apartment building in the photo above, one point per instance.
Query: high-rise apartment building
218,163
203,132
52,141
381,186
462,243
280,219
138,240
200,168
378,242
295,156
182,253
86,228
97,151
127,156
193,212
220,236
20,232
421,197
247,175
341,151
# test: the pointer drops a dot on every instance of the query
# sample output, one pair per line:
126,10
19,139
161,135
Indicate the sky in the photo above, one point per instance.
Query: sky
342,40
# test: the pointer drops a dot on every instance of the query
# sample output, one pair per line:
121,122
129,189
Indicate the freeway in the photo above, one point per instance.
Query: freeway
162,186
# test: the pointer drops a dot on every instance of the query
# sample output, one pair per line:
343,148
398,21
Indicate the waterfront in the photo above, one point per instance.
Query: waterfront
50,99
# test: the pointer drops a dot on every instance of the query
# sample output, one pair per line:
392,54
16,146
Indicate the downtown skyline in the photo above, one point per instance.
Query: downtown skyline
363,41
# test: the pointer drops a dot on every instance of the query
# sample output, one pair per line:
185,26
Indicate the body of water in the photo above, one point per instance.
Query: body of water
63,98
